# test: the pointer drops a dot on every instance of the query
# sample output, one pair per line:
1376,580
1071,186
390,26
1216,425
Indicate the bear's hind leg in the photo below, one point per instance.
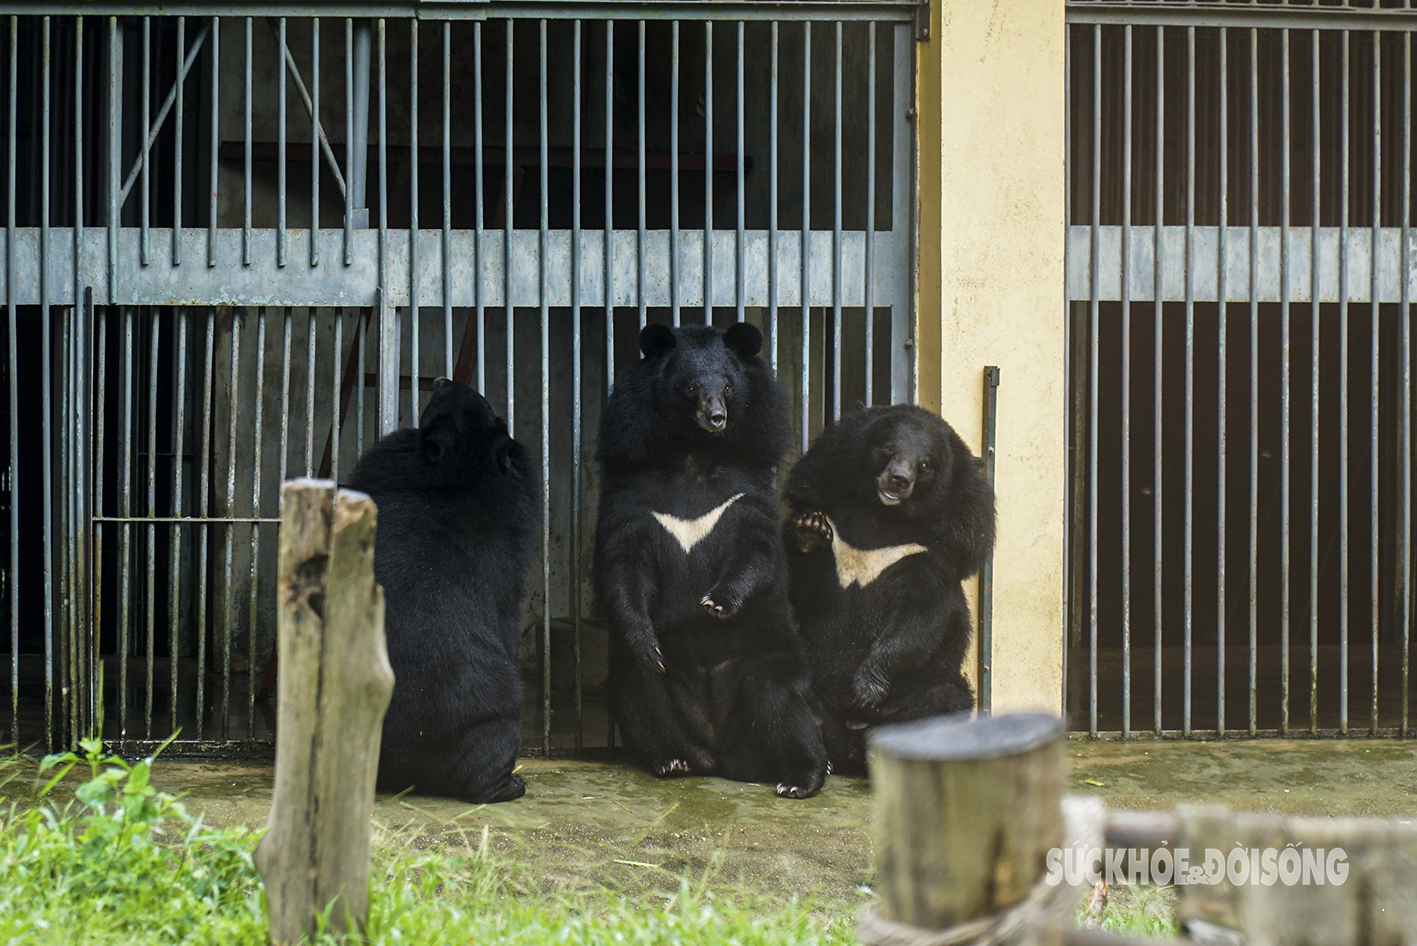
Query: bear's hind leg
774,736
649,723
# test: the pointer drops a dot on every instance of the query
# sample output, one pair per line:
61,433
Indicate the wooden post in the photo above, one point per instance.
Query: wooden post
335,683
965,814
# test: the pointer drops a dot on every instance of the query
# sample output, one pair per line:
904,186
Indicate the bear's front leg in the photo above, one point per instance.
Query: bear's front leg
813,531
746,573
625,592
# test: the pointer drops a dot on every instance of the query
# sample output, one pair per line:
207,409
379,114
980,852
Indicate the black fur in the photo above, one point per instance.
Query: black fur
459,515
707,675
893,649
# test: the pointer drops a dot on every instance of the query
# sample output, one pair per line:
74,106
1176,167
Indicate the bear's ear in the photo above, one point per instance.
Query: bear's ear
501,447
436,439
744,339
655,339
440,382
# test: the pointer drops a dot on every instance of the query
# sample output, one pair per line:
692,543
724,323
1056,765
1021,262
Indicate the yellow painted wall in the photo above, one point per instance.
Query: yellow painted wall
991,132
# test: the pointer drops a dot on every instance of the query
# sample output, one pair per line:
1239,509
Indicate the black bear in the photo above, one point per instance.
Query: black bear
707,675
888,513
459,509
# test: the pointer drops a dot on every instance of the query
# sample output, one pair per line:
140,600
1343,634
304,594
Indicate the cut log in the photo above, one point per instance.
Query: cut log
965,814
335,684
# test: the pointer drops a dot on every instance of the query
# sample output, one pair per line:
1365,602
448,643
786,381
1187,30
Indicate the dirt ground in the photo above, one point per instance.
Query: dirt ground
597,823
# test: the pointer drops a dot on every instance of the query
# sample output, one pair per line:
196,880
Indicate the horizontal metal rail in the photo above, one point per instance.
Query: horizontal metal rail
265,282
1339,250
880,11
1236,15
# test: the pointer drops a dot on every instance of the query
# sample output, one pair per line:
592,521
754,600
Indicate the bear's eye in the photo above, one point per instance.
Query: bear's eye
727,387
887,451
924,465
692,389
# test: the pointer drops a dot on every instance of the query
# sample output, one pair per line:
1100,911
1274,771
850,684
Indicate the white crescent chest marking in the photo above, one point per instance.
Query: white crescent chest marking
690,532
863,566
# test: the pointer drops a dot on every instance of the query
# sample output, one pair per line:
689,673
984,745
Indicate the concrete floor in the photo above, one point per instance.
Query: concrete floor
586,824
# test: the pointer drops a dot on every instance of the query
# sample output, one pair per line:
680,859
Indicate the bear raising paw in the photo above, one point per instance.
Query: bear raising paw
890,512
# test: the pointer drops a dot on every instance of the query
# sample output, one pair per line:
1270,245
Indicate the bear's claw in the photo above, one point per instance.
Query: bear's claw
787,790
714,608
671,768
813,531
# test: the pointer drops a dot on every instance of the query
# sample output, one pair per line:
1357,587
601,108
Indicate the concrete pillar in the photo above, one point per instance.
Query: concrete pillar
991,292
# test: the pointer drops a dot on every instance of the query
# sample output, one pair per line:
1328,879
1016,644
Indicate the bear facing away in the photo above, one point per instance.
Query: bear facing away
458,519
889,513
707,675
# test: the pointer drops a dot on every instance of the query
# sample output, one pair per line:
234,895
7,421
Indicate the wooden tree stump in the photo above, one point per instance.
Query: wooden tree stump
965,813
335,683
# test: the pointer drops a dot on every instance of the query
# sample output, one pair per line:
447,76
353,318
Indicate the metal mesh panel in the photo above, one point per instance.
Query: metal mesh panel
1240,265
240,246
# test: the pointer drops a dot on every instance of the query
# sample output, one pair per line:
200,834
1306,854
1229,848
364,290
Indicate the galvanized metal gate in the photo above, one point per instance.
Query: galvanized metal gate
1241,276
239,246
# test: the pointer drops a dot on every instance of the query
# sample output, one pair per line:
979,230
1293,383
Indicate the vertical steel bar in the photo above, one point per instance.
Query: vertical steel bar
1157,295
178,138
806,241
673,174
1284,380
259,397
203,492
870,261
772,205
1092,355
836,236
609,230
350,163
286,395
362,332
1405,464
415,311
543,293
576,483
1126,382
1374,514
315,132
507,265
214,142
640,236
46,364
390,332
282,237
149,607
479,306
608,234
115,149
246,192
1315,363
448,200
1223,300
11,274
145,206
708,173
125,592
1343,291
179,432
230,529
740,271
1190,369
336,412
1251,292
986,570
311,350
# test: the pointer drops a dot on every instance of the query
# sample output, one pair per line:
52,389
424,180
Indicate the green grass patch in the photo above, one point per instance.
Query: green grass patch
122,862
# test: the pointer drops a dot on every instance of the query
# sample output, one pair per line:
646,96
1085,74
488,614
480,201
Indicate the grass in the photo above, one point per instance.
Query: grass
1132,911
125,863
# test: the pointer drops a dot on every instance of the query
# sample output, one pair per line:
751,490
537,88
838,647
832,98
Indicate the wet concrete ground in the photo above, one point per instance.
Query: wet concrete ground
586,824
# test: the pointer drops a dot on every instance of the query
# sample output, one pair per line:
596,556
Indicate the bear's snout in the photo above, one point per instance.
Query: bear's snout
896,482
712,414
